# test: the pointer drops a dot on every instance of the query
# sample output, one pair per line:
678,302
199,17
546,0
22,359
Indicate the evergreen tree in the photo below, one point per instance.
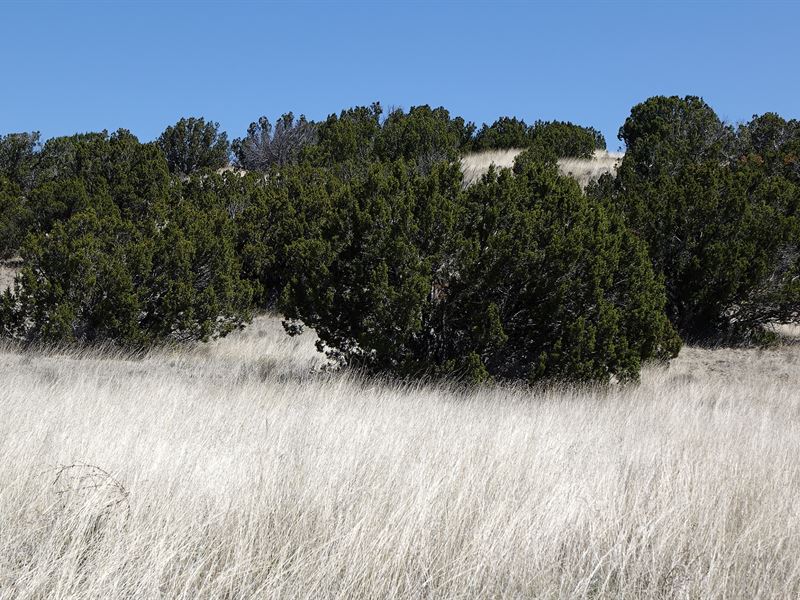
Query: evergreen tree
193,144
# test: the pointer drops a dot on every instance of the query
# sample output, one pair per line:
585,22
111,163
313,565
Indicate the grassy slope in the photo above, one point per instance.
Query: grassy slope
583,170
239,474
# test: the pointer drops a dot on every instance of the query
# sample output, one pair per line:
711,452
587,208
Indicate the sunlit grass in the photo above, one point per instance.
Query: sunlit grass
237,470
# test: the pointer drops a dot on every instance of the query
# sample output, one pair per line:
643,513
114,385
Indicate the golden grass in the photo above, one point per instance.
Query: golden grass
233,470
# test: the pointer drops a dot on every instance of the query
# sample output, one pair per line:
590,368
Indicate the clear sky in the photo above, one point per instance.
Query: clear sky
86,66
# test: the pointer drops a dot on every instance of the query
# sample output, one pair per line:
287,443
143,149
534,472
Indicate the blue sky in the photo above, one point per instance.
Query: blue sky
87,66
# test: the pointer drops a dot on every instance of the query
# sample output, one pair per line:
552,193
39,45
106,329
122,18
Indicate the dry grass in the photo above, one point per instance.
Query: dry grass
233,471
8,269
475,165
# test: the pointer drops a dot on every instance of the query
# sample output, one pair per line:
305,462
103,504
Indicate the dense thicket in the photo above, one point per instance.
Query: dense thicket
555,138
116,252
359,226
18,158
718,210
193,144
518,278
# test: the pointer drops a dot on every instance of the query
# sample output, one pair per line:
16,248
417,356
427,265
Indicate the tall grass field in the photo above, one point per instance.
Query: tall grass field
240,469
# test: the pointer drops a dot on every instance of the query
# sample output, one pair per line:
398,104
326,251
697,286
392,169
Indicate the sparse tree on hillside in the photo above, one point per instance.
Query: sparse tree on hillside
347,140
564,139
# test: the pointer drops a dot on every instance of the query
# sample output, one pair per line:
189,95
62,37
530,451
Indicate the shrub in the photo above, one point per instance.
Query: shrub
357,137
720,232
505,132
520,278
564,139
266,147
346,140
98,277
15,218
551,284
555,138
423,136
18,158
117,253
193,144
113,168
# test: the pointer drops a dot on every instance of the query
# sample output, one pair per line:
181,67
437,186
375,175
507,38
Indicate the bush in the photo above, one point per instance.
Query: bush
423,136
98,277
15,218
721,232
505,132
192,144
357,137
552,284
93,170
554,138
264,147
18,158
118,254
347,140
115,169
520,278
566,139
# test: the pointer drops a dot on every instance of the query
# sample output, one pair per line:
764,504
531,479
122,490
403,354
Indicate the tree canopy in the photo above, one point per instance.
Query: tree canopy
193,144
360,227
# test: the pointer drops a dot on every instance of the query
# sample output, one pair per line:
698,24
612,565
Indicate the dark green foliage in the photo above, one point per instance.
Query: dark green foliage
118,254
15,218
346,140
557,139
266,147
665,134
269,214
18,158
424,136
551,284
192,144
505,132
113,168
771,144
566,139
720,231
367,283
359,227
88,170
98,277
521,278
357,137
